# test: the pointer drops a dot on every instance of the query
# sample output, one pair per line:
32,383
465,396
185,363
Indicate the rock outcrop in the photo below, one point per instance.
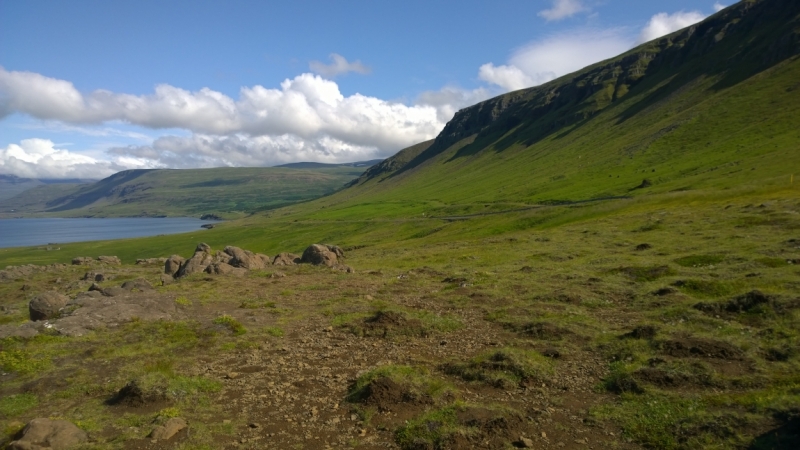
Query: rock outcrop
318,255
150,261
111,260
198,262
286,259
244,258
173,264
41,434
46,305
221,268
82,261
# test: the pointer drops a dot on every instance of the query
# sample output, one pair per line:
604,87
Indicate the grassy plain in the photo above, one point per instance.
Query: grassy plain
572,280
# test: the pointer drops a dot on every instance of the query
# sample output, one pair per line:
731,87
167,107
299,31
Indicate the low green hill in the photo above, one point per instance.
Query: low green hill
226,192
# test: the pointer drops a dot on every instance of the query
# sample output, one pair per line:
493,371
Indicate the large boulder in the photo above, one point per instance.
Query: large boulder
112,260
82,261
222,257
244,258
41,434
173,264
336,249
320,255
46,305
198,262
286,259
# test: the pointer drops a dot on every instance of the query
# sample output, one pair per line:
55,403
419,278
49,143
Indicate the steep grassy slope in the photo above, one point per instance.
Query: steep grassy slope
228,192
712,106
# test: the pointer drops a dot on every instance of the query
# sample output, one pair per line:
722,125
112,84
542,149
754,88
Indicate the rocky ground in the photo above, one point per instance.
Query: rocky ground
226,349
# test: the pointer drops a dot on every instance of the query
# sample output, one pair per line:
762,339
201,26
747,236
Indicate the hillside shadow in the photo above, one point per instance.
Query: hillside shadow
94,192
215,183
754,46
785,437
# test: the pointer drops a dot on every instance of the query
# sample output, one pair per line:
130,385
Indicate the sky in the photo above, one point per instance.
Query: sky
89,88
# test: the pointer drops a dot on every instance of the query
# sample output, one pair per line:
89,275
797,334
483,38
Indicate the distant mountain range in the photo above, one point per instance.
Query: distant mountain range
225,192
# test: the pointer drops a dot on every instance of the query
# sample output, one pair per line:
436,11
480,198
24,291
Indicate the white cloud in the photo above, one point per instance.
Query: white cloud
450,99
719,6
552,57
339,66
663,24
306,106
38,158
562,9
510,77
242,150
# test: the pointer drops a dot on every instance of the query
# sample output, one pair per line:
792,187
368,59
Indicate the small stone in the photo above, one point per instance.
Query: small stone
254,425
170,429
362,432
226,421
525,442
544,435
232,375
369,297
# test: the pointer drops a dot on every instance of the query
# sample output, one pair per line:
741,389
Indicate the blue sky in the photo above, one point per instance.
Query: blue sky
88,88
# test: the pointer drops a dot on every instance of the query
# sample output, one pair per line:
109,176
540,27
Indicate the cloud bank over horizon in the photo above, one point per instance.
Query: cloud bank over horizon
305,118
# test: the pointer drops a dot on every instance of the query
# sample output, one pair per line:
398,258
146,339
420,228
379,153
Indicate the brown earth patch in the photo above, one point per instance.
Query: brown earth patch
700,348
388,323
387,395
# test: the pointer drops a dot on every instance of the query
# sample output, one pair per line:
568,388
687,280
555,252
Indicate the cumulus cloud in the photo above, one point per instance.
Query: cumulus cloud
450,99
307,106
663,24
552,57
39,158
719,6
242,150
562,9
338,66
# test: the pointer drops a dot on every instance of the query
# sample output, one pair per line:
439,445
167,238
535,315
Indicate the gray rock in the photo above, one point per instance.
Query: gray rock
49,434
243,258
320,255
109,312
170,429
26,330
286,259
221,268
82,261
93,276
113,260
114,291
139,283
198,262
173,264
46,305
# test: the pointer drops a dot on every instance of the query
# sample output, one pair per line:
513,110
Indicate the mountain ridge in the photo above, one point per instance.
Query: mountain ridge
532,114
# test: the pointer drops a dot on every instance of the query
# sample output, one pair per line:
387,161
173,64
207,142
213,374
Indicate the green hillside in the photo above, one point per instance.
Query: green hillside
227,192
608,260
716,105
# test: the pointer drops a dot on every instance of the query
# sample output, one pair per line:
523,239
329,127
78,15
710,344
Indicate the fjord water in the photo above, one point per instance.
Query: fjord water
27,232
